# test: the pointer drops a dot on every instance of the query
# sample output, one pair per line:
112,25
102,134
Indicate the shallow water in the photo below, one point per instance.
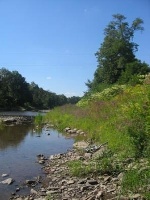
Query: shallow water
19,147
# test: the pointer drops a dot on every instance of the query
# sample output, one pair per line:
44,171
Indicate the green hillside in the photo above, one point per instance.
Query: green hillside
120,117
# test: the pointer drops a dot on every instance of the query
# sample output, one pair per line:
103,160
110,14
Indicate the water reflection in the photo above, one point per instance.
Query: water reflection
12,136
19,147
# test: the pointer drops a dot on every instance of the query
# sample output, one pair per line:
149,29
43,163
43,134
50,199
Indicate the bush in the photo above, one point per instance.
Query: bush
106,94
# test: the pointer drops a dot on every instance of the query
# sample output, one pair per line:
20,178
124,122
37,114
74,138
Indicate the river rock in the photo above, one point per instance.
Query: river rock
17,189
9,120
67,129
40,199
81,145
30,182
7,181
99,194
70,182
32,191
4,175
41,161
88,155
92,182
60,184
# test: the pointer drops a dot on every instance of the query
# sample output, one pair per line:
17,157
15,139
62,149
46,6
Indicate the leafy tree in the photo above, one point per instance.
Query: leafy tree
15,92
13,89
116,52
133,69
73,99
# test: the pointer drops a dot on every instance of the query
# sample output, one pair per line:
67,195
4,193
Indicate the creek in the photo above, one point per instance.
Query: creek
19,147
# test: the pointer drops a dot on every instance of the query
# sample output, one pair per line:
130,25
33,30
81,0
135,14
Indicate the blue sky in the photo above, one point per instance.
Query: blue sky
53,42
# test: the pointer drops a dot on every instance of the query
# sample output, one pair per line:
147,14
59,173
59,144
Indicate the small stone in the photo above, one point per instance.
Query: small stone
88,155
70,182
52,192
41,161
32,191
30,182
7,181
66,197
92,182
43,190
4,175
107,178
17,189
51,157
67,129
83,188
135,196
81,145
83,181
40,199
99,194
111,190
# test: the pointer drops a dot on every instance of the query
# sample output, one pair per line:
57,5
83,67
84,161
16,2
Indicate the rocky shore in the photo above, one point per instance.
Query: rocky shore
11,120
60,184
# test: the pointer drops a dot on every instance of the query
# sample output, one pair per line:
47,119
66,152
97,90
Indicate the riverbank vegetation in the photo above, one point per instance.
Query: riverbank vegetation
115,110
123,122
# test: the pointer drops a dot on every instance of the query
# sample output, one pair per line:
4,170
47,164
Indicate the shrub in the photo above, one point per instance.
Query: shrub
106,94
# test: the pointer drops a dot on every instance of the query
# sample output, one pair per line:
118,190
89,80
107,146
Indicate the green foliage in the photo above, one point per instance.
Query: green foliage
135,181
133,71
15,92
107,164
116,51
137,112
38,120
49,197
147,79
119,116
115,57
13,89
79,169
106,94
104,164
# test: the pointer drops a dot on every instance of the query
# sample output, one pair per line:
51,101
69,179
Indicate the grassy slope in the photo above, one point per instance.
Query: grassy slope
119,116
110,120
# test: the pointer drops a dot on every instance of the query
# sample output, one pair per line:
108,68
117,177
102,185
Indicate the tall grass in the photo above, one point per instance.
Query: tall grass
38,120
123,120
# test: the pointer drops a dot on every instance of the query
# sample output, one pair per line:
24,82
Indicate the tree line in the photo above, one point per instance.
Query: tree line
15,92
117,63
